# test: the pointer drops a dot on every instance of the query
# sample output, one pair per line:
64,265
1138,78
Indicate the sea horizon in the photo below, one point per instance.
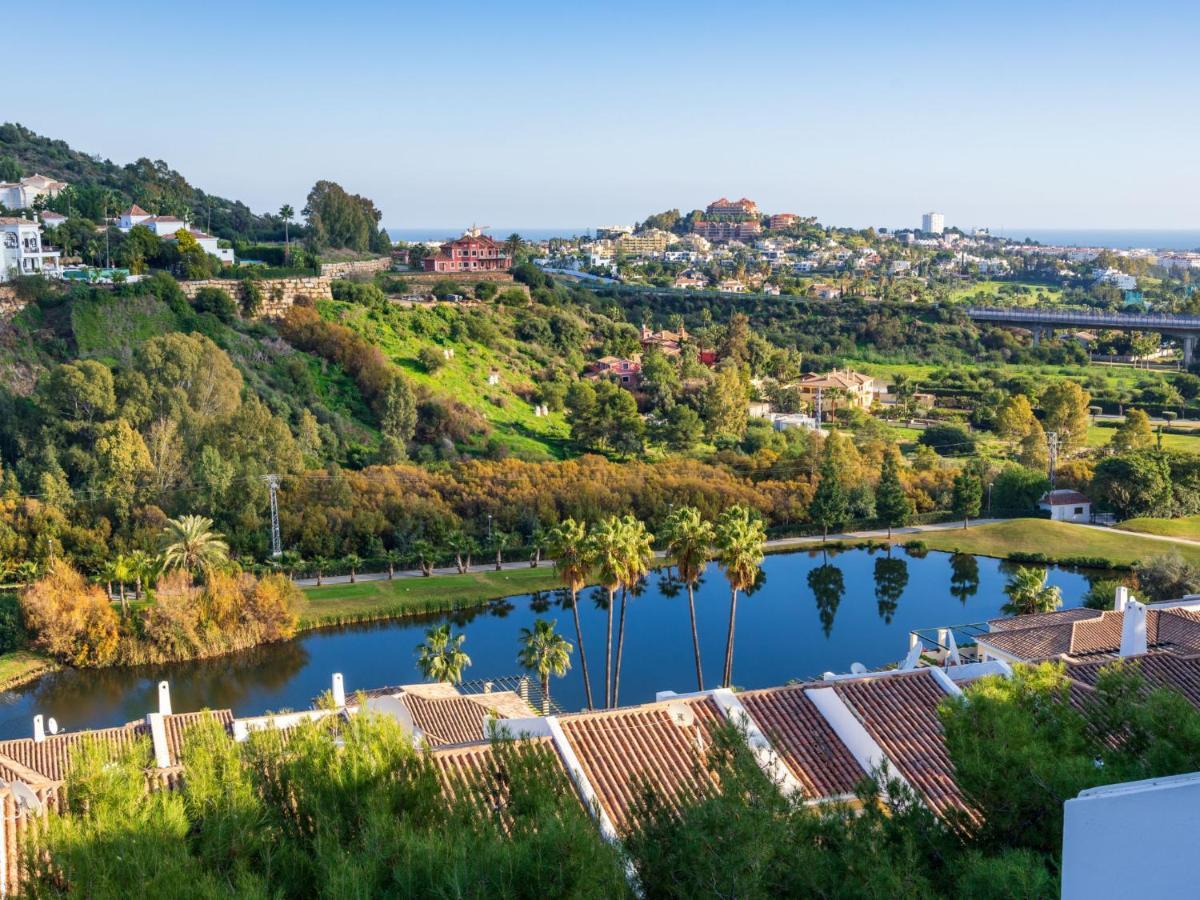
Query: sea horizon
1114,238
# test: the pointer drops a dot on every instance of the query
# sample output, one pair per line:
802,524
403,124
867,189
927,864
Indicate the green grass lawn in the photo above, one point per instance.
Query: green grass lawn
1026,294
22,665
1057,540
1098,436
339,603
1187,527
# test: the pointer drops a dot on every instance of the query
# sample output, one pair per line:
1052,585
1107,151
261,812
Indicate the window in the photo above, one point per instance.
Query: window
1079,510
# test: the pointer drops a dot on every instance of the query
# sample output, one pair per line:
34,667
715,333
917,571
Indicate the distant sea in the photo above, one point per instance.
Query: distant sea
1116,238
499,233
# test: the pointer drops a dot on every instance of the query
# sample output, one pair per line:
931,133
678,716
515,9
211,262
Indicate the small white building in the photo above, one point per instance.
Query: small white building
22,251
25,193
1066,506
51,219
166,227
933,223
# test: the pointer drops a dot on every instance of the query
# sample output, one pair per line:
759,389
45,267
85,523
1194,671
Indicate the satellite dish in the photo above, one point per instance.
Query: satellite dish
25,796
52,725
858,669
681,714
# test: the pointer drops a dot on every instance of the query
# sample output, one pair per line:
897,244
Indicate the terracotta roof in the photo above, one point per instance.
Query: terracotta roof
460,719
626,752
51,758
1096,635
1159,668
1051,618
900,714
135,210
478,772
13,220
808,745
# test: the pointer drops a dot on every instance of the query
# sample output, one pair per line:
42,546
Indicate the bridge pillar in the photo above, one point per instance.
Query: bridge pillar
1189,350
1037,334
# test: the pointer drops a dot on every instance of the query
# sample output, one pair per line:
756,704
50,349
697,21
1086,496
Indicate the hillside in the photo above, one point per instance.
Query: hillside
152,184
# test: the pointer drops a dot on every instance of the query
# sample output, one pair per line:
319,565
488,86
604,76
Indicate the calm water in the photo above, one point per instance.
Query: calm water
807,616
1116,238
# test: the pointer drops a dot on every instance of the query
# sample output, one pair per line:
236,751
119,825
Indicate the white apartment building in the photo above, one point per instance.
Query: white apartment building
22,251
933,223
24,193
1117,278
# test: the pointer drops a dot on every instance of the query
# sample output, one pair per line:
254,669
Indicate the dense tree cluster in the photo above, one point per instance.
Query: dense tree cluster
338,219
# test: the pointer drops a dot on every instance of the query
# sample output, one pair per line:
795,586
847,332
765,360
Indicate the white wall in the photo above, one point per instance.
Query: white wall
1132,840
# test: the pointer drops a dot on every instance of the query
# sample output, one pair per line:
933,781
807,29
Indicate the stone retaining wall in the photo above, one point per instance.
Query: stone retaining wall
466,279
278,293
358,267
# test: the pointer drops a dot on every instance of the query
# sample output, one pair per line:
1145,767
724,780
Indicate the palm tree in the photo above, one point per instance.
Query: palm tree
142,568
546,653
353,562
122,572
739,538
189,543
27,571
689,544
607,557
423,551
392,558
320,564
638,554
512,246
537,542
1028,593
440,657
500,541
286,213
568,545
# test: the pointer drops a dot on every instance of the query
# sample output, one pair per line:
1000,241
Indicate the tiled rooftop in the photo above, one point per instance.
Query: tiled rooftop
625,752
814,754
1092,635
900,713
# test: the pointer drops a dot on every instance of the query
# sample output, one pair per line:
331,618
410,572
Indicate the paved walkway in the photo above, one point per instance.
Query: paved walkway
774,544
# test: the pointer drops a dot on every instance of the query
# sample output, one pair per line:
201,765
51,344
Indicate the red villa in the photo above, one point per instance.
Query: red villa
473,252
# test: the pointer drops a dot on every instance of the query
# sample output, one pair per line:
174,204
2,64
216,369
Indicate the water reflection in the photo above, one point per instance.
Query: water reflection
862,606
964,577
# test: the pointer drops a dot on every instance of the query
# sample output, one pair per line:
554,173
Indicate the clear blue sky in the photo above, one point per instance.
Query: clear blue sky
1028,114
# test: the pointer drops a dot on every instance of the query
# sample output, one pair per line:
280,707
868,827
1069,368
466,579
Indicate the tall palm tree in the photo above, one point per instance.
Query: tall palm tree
638,554
739,538
353,562
122,572
440,656
286,213
392,558
320,564
568,544
689,545
544,652
142,568
606,549
189,543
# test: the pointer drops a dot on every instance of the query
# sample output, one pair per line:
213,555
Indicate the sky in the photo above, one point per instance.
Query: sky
1013,114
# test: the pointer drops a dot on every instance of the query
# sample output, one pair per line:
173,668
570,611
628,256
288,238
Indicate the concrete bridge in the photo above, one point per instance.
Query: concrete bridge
1185,329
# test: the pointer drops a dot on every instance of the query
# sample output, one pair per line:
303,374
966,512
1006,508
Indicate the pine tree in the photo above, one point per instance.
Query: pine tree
829,503
892,505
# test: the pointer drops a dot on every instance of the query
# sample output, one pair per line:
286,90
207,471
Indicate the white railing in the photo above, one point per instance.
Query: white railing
1119,320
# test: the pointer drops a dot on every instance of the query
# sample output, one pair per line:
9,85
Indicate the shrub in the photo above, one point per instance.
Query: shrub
252,298
431,358
513,297
486,290
71,620
948,440
215,301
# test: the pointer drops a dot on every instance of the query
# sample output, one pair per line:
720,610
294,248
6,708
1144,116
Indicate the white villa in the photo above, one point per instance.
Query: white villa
165,227
24,193
22,251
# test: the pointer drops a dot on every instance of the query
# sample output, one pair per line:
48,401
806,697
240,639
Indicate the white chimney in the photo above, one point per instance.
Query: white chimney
339,690
1121,599
1133,629
164,698
39,729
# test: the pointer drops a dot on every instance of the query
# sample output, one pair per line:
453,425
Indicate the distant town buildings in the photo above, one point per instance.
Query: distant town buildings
933,223
727,220
25,193
1116,278
644,244
473,252
22,251
781,221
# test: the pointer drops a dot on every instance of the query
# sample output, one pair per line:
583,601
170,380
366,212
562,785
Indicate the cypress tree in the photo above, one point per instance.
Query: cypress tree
829,503
892,505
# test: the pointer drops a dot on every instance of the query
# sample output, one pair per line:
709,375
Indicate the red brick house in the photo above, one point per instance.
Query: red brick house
627,372
472,252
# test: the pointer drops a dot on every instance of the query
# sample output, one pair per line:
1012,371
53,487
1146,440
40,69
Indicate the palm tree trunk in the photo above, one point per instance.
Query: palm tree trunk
587,681
546,695
695,636
353,576
733,594
499,564
608,651
391,571
319,578
620,646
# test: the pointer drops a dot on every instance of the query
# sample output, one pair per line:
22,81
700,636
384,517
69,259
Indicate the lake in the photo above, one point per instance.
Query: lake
809,614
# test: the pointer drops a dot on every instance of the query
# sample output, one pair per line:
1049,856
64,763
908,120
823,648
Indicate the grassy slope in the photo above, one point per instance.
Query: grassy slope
1187,527
340,603
464,377
22,665
1057,540
1099,436
1030,294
